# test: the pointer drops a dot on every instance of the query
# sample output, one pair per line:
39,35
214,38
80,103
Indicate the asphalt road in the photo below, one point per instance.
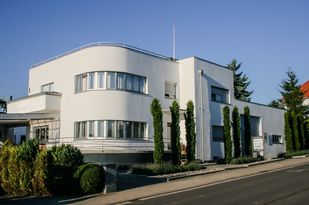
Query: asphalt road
289,186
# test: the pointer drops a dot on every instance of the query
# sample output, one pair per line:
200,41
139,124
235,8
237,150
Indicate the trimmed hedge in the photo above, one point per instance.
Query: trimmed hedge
293,154
164,168
245,160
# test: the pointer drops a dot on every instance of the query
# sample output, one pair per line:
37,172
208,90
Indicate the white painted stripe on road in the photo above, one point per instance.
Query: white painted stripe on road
216,183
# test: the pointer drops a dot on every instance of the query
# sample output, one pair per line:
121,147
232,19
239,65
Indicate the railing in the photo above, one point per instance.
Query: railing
102,44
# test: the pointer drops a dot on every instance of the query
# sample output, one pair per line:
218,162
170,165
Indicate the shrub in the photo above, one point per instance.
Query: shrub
91,178
67,156
42,171
190,131
4,158
156,112
28,150
296,153
245,160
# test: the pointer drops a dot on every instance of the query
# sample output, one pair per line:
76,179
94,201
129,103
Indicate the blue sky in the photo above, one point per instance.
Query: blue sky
267,36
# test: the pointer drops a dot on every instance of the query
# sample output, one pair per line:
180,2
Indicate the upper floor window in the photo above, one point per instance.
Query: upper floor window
170,90
219,94
277,139
47,87
110,81
217,133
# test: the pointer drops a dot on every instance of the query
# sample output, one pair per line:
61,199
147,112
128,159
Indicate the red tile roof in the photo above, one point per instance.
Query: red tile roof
305,89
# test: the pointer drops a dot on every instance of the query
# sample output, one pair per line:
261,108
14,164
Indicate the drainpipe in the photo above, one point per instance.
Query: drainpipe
202,115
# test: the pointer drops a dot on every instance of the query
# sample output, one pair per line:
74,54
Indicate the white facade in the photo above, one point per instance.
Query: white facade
107,90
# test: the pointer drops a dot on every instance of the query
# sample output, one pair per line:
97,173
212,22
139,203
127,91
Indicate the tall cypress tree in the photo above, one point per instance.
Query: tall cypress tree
300,131
190,131
236,132
227,135
294,131
287,132
247,132
306,134
175,133
156,112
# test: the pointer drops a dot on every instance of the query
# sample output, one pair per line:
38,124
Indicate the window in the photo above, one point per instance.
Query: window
120,81
48,87
277,139
217,133
254,125
90,80
111,129
129,82
91,129
170,90
101,129
120,129
135,129
219,94
107,80
101,79
80,130
111,80
128,129
142,130
41,133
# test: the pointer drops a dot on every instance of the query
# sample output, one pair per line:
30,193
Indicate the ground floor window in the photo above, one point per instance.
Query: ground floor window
111,129
277,139
217,133
41,133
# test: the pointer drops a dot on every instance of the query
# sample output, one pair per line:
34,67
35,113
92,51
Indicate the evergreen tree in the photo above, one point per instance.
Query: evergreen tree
236,132
2,106
156,112
175,133
287,132
241,82
190,131
293,97
276,104
227,135
247,132
300,131
306,134
294,131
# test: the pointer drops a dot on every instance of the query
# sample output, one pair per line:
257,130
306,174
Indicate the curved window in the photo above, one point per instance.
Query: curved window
110,129
107,80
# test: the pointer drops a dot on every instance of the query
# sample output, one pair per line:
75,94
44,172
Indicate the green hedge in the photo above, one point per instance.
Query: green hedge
164,168
245,160
293,154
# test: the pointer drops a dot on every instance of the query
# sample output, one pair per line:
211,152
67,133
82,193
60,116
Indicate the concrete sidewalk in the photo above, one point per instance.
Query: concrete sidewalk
188,183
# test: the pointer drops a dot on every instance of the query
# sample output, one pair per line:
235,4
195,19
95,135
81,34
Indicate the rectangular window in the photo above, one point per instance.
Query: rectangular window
136,129
80,130
78,83
90,80
219,94
217,133
277,139
141,85
120,129
129,80
142,130
170,90
101,129
135,83
84,82
120,81
128,129
101,80
41,133
111,80
91,128
48,87
111,129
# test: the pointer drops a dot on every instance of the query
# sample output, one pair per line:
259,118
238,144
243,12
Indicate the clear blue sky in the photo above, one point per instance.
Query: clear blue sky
267,36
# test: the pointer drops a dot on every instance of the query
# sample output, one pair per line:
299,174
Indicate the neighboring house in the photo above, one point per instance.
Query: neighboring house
305,89
98,98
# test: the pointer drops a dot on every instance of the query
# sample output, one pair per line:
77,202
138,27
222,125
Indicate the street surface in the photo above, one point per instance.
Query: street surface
284,187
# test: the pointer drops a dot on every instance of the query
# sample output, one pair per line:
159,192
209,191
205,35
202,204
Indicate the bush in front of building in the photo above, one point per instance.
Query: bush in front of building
246,160
247,133
293,154
175,133
156,112
236,132
90,178
227,135
190,132
164,168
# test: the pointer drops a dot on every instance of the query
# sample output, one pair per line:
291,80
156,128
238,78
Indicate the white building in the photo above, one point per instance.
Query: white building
98,98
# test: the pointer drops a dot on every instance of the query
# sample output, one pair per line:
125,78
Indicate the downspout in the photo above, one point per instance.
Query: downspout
202,115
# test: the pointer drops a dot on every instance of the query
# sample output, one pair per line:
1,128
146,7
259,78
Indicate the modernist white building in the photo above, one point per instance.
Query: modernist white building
98,97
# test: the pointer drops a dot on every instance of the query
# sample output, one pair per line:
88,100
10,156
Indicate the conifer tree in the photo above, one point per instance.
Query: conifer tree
227,135
156,112
175,133
236,132
247,132
287,132
190,131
